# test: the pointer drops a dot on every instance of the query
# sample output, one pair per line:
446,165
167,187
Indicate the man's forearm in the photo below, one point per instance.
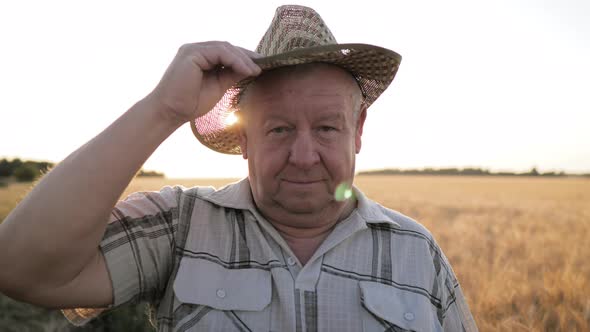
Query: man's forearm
50,236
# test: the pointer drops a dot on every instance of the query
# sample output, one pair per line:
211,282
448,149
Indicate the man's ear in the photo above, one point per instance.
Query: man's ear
243,141
359,129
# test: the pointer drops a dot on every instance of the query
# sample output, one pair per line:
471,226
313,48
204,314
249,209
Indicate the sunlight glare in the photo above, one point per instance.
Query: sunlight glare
231,119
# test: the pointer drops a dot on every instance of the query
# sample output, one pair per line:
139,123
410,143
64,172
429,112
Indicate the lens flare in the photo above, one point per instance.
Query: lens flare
231,119
343,192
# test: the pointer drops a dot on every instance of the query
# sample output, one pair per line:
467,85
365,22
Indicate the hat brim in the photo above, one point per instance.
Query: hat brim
373,67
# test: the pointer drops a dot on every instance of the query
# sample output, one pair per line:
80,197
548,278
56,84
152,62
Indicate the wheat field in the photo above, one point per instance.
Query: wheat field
519,245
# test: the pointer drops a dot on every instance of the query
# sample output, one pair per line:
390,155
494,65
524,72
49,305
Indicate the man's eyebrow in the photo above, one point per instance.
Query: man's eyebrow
330,116
269,118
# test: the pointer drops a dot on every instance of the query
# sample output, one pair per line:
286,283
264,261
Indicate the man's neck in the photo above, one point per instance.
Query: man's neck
305,241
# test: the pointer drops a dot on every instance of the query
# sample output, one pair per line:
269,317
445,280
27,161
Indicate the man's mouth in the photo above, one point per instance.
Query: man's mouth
301,181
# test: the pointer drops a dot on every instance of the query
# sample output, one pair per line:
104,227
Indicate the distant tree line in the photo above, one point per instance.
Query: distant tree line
464,171
25,171
144,173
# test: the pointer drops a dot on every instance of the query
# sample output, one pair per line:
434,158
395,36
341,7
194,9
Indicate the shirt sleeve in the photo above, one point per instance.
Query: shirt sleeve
455,313
138,246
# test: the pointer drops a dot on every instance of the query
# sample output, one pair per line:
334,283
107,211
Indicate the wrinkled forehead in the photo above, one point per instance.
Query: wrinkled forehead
319,82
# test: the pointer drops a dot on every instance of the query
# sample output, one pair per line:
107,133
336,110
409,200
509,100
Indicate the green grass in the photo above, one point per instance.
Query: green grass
22,317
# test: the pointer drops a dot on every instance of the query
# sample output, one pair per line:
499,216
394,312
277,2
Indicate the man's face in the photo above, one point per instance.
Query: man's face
300,138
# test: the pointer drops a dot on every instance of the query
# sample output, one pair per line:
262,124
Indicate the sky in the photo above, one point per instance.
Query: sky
502,85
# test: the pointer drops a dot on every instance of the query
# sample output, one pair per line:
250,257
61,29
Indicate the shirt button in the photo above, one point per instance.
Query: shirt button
409,316
220,293
291,261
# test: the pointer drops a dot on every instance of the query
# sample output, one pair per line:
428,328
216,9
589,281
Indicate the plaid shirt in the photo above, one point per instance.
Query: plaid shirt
207,260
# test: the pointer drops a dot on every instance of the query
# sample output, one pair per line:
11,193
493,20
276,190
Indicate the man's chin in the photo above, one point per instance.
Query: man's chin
303,206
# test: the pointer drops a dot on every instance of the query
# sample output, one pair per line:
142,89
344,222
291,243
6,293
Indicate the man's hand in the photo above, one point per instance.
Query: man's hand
198,76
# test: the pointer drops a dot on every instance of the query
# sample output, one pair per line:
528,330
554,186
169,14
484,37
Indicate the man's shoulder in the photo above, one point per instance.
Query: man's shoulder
178,192
403,223
196,191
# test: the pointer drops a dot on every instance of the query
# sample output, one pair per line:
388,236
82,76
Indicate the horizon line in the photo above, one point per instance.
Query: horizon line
489,169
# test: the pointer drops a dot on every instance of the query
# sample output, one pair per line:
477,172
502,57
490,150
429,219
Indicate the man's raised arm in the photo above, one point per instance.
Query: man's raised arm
49,252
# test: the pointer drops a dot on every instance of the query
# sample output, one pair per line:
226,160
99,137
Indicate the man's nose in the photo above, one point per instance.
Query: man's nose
303,152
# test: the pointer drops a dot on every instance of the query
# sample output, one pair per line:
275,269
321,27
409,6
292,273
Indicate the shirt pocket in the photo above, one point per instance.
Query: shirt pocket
389,308
212,297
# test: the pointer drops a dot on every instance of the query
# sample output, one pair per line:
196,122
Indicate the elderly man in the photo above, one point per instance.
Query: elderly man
294,247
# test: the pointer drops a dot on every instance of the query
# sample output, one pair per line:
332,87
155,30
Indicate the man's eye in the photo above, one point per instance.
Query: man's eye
279,130
327,129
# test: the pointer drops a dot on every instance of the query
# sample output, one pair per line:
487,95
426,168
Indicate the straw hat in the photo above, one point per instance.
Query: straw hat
298,35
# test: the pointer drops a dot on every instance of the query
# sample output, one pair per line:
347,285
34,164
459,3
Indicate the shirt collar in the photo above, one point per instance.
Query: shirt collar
238,195
235,195
370,211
